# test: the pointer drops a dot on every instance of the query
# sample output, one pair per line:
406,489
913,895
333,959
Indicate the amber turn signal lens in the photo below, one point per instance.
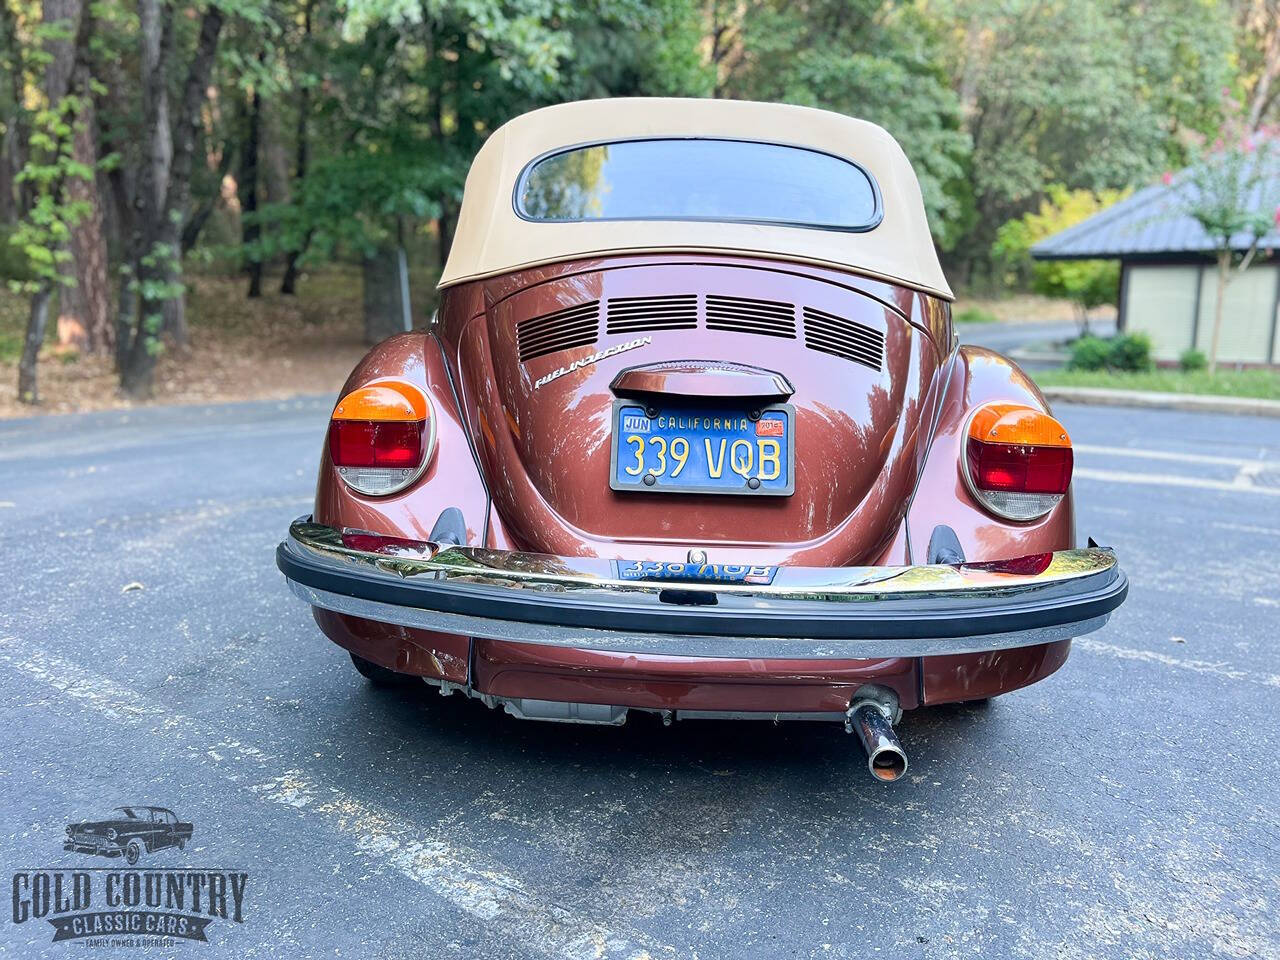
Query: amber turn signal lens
1017,460
386,400
381,437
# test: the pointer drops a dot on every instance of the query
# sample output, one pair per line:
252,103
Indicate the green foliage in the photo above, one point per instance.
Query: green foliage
1222,190
42,234
1087,93
1090,283
1126,353
1089,353
403,96
975,315
1263,384
14,266
1192,359
1131,352
871,60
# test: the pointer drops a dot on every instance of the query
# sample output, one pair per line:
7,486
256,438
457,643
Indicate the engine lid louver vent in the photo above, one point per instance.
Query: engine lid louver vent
633,314
575,326
770,318
844,338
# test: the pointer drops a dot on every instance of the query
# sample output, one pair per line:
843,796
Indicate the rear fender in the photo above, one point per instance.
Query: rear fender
975,376
450,480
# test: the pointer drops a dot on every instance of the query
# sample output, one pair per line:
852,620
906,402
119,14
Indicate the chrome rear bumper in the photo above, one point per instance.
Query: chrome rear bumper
804,613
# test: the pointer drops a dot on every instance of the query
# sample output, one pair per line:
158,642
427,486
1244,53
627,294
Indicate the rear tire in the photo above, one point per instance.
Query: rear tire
380,676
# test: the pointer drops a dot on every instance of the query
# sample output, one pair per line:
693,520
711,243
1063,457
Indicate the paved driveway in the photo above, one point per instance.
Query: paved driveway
150,653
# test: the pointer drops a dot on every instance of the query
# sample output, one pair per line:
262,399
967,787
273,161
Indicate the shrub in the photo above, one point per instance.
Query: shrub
975,315
1192,359
1089,353
1131,352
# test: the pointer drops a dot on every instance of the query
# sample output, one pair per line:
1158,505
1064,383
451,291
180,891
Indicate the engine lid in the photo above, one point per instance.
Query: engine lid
543,367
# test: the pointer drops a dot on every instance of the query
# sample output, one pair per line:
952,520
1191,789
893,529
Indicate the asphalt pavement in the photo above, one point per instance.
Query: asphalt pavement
1006,337
150,653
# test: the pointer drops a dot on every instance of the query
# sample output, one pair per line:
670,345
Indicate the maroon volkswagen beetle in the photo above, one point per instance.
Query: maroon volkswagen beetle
691,434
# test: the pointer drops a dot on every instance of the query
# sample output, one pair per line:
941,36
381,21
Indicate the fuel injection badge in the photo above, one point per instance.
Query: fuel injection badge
126,904
596,357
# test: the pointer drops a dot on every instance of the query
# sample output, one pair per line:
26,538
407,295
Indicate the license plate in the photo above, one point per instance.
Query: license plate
695,572
700,449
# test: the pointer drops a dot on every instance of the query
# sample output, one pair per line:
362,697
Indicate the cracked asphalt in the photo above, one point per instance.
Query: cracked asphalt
150,653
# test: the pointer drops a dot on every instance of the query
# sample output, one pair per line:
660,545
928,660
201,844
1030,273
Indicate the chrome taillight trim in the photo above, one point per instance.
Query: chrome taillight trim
428,448
979,495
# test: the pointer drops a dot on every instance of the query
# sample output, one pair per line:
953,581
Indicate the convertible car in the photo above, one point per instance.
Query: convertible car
691,434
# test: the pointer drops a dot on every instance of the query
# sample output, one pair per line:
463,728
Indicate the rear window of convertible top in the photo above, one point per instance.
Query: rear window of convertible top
696,179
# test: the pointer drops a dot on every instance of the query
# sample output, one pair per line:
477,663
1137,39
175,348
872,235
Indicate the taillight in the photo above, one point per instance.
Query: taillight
381,437
1017,460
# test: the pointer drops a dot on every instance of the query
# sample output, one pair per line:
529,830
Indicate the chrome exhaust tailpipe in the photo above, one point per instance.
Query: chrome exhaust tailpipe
871,718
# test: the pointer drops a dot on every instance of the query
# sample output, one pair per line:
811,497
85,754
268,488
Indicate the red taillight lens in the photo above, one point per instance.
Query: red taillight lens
1017,460
1019,468
368,443
382,436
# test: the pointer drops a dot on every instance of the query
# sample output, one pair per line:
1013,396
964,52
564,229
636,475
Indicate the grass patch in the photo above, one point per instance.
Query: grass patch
975,315
1262,384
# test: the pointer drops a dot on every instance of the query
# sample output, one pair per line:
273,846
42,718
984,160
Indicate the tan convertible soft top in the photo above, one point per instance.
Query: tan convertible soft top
492,239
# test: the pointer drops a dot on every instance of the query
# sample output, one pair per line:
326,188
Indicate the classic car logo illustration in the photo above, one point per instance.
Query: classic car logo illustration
129,832
121,906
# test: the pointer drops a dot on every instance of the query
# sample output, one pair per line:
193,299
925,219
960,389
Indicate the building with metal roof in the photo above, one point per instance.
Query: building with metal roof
1168,274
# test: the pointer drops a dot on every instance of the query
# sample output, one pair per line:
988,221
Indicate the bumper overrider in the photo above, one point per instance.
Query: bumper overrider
802,613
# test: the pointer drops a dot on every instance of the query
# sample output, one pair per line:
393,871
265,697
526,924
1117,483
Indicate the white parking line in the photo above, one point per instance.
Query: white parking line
1167,455
1246,528
1240,485
459,875
1195,666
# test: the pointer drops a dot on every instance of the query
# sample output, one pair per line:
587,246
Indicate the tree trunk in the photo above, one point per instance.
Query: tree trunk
156,22
62,56
8,175
126,317
446,223
73,323
17,130
36,324
275,158
91,300
1224,277
200,215
1265,19
289,283
251,229
386,295
161,204
123,189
